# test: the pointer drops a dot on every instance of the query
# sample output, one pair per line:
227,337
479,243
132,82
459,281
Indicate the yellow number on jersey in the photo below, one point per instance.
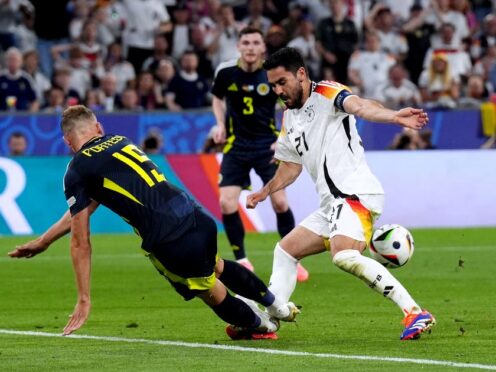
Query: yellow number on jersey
248,110
139,156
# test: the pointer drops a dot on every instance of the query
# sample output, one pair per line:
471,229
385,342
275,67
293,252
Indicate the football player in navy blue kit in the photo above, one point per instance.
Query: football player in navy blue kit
178,237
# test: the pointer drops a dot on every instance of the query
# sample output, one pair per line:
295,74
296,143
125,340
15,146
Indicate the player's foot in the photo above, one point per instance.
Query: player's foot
246,263
286,312
302,274
240,333
416,324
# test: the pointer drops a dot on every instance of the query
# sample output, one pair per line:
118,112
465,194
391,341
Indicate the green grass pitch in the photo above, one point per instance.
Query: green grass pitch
451,274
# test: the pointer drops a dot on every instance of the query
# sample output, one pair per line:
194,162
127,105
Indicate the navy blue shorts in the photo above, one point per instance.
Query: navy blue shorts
236,166
188,262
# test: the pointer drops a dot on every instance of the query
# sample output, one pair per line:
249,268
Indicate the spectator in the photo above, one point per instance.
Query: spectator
224,46
381,20
25,36
292,21
439,87
149,95
418,35
119,67
145,18
80,15
474,93
337,39
105,36
164,74
130,100
51,25
10,11
255,16
94,100
487,37
115,20
444,42
180,32
441,13
306,44
41,84
17,144
160,52
275,39
187,88
398,91
62,80
369,68
55,101
109,96
198,46
16,86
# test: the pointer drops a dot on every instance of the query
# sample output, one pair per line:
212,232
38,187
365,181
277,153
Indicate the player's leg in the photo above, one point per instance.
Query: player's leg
234,176
299,243
351,228
243,282
236,312
266,169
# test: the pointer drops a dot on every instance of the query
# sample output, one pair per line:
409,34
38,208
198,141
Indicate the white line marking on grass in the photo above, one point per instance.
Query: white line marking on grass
444,363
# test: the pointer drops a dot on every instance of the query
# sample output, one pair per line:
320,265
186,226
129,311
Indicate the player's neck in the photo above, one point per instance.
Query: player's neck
307,89
250,67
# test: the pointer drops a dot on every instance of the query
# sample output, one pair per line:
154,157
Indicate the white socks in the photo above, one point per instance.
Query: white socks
376,277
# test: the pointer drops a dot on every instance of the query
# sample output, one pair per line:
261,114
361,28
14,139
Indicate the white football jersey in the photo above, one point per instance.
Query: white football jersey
326,142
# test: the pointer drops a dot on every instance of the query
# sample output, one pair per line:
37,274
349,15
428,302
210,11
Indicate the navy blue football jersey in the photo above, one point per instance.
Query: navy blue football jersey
250,107
116,173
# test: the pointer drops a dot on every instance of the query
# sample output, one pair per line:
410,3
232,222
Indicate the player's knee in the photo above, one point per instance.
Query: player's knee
280,204
228,204
347,260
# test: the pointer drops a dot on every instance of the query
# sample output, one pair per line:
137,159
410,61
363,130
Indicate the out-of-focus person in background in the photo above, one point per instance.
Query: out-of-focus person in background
16,85
17,144
398,91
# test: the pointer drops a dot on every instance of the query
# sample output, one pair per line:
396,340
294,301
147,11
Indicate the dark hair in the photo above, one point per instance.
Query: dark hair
17,135
250,30
289,58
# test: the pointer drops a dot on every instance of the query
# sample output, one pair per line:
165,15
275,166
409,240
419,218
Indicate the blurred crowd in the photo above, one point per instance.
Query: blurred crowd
162,54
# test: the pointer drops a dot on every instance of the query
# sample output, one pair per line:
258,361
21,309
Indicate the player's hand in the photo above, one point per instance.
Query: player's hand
29,249
412,118
253,199
219,134
78,317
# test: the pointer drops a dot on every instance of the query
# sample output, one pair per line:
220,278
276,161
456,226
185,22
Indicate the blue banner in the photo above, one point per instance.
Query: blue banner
185,133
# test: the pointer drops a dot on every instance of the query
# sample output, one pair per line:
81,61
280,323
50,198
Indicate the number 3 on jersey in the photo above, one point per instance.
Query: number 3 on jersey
248,109
139,156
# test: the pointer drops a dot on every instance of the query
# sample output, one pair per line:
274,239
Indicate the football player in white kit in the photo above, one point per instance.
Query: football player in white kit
319,133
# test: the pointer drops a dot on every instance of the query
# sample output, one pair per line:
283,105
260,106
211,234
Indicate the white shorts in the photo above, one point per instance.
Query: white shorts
350,217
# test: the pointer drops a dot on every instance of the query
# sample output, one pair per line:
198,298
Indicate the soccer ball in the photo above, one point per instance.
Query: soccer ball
392,245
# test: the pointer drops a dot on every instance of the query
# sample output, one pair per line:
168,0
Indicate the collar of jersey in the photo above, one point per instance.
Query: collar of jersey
91,140
260,66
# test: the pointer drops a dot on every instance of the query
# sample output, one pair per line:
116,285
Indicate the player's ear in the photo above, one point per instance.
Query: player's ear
100,129
301,74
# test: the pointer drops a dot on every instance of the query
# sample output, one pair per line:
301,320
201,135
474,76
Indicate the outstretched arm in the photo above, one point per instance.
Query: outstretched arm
81,261
367,109
54,232
285,175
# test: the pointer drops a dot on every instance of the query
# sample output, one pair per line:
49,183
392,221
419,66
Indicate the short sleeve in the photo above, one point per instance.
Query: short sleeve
285,150
75,191
219,84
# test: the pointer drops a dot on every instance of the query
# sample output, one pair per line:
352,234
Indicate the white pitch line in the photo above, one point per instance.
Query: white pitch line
444,363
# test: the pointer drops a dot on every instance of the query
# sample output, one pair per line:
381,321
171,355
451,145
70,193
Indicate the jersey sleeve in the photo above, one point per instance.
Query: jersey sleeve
335,92
75,191
219,84
285,150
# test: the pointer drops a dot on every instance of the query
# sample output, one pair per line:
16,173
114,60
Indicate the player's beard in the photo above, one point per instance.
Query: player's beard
297,100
